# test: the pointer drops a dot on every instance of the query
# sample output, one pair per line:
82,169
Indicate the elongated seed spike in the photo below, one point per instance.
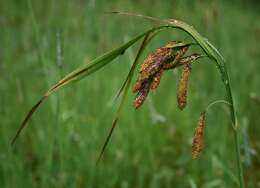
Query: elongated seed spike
137,86
182,86
198,136
153,67
153,63
158,56
142,94
156,80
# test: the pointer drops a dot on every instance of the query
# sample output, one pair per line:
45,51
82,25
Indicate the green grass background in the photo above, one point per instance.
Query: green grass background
41,41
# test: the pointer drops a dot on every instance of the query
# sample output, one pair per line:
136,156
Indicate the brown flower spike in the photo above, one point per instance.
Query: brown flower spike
142,94
198,136
153,63
153,67
183,85
156,79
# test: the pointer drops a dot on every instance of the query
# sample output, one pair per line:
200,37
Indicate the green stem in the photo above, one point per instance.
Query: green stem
238,158
235,127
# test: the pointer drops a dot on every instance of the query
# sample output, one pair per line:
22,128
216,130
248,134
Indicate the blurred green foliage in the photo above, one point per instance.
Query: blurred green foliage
40,41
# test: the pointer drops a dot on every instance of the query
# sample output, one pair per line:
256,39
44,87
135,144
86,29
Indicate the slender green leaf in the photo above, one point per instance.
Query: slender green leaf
125,89
78,74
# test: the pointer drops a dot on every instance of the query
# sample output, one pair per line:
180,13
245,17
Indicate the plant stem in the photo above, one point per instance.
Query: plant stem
234,125
238,158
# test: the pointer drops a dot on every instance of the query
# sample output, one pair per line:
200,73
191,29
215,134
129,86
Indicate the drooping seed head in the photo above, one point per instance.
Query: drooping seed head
183,86
153,66
178,56
142,94
198,136
156,80
155,61
137,85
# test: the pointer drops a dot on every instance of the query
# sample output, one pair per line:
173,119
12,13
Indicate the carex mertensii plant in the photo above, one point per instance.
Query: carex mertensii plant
173,55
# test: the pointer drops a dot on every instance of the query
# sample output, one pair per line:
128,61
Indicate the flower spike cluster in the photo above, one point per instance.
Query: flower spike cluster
183,85
163,58
198,136
167,57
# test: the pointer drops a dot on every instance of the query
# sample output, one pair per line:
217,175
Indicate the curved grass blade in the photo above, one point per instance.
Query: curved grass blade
79,73
26,119
214,49
125,89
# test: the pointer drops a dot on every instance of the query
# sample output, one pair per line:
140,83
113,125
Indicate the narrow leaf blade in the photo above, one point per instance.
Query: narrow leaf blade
79,73
124,89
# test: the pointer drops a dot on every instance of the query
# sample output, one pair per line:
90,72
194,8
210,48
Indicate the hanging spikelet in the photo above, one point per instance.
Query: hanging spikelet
198,136
152,68
155,61
156,80
142,94
137,85
151,65
182,86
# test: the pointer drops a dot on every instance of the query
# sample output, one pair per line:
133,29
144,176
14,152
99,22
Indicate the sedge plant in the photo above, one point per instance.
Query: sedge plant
168,57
